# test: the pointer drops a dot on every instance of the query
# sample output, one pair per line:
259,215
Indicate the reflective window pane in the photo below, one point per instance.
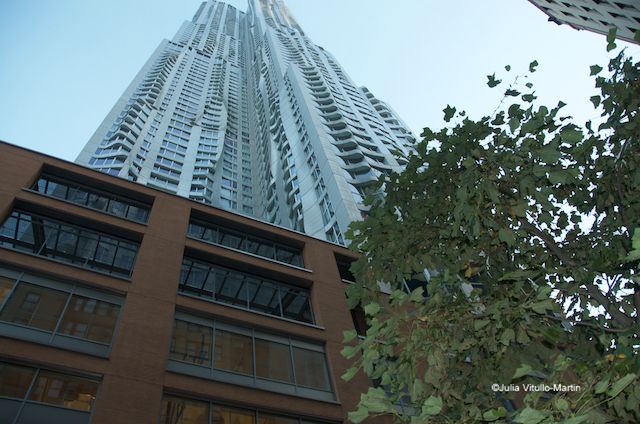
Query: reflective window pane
231,288
296,305
90,319
191,343
6,284
233,352
226,415
97,202
15,380
276,419
264,297
183,411
64,390
273,361
68,243
231,240
311,368
93,198
34,306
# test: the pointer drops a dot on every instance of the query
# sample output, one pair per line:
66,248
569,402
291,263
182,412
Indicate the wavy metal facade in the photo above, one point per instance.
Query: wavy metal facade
241,110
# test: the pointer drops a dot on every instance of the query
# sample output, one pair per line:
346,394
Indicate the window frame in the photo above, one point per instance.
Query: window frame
56,227
253,380
105,194
56,337
281,289
245,237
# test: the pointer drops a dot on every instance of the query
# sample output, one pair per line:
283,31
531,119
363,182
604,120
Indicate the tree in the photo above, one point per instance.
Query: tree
528,225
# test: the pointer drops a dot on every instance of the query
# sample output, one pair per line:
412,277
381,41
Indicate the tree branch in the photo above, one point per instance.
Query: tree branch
620,318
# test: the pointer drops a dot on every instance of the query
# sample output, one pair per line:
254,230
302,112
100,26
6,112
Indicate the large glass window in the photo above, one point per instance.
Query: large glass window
178,410
69,243
29,394
225,285
57,313
191,343
234,352
222,236
248,357
92,198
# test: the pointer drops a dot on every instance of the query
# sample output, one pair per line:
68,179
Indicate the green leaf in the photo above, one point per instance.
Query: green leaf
602,385
448,113
348,375
359,415
529,85
493,81
528,97
562,404
522,370
507,68
611,39
611,35
595,69
507,236
511,92
595,100
480,324
542,307
531,416
494,414
514,123
349,335
621,384
372,308
533,65
576,420
507,337
349,351
432,406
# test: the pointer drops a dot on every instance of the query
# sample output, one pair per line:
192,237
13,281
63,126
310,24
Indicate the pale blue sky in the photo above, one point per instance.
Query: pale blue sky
65,62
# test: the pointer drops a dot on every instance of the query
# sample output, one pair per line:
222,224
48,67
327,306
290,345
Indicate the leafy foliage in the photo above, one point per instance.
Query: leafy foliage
529,227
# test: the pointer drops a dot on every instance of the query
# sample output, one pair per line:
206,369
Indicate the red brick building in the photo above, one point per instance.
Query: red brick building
124,304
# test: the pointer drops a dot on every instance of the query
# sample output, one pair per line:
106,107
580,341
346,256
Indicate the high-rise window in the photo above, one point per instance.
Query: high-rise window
217,234
178,410
220,284
33,233
33,395
59,314
92,198
220,351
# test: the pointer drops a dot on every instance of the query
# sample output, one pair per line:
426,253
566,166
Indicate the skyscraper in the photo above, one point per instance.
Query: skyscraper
241,110
595,15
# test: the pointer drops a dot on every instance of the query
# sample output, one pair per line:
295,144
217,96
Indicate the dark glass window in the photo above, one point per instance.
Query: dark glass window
34,306
216,234
344,268
75,321
89,319
92,198
184,411
191,343
28,392
224,414
233,352
273,361
69,243
220,284
64,390
178,410
311,368
248,356
15,380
